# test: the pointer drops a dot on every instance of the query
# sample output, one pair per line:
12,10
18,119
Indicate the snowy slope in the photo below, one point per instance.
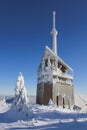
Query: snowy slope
43,118
80,100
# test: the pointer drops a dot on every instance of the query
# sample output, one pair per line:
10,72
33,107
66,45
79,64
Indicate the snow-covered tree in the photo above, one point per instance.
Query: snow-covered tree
21,100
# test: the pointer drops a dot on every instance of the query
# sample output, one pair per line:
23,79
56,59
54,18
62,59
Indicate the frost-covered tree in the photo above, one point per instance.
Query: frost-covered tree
21,100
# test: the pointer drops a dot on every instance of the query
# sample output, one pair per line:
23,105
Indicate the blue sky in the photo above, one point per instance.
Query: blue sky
25,27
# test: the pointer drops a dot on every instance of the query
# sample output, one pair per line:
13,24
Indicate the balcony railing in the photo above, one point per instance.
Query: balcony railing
56,72
61,74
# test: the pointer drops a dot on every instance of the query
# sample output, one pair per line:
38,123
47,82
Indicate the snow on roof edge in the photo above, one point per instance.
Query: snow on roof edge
67,66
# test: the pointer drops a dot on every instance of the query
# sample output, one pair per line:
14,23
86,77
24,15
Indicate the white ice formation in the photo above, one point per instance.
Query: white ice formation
21,101
50,103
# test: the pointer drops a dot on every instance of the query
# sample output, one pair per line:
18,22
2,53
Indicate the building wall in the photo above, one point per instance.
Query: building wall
39,98
61,91
61,94
44,93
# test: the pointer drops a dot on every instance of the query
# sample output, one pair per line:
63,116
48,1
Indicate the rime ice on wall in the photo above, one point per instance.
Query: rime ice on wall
52,67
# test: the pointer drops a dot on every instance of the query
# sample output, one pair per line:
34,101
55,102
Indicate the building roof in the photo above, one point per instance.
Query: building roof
47,49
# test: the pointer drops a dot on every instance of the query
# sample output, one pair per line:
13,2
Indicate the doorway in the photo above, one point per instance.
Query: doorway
63,102
57,100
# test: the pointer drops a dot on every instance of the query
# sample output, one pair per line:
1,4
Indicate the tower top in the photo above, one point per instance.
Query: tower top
54,13
54,34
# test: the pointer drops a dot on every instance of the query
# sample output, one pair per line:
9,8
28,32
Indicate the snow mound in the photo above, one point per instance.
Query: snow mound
3,105
50,103
2,101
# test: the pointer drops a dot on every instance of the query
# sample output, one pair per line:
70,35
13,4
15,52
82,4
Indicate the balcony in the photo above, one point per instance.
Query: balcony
59,73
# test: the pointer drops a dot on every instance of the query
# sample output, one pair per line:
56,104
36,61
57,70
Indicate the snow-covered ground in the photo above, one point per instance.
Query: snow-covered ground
41,117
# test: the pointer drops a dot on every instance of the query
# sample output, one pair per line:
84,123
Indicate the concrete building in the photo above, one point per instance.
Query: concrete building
55,77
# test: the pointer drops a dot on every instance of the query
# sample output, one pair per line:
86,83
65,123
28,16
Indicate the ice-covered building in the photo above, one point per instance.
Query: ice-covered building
55,77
